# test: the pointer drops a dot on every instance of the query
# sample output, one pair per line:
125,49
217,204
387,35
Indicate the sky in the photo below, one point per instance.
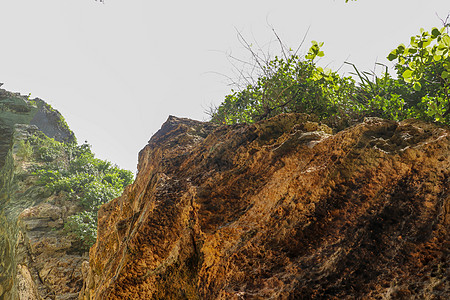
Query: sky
117,70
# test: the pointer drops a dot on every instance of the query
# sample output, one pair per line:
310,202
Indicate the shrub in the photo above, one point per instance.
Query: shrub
83,226
47,177
25,150
293,84
74,170
48,148
97,193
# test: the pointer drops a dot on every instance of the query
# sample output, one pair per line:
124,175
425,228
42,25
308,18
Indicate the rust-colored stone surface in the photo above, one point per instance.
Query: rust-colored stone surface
282,209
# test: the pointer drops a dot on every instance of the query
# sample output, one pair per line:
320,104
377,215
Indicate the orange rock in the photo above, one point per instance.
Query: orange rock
274,211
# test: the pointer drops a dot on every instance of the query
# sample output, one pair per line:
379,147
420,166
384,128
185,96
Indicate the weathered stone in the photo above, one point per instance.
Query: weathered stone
25,286
280,209
42,211
32,242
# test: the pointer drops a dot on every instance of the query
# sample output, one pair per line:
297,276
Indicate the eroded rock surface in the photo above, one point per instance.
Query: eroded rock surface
281,209
38,260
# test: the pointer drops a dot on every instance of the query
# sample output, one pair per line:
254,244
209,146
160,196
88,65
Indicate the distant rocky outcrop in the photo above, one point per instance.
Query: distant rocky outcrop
37,259
280,209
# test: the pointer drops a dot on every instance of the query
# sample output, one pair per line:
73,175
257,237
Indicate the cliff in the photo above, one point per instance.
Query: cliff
38,260
280,209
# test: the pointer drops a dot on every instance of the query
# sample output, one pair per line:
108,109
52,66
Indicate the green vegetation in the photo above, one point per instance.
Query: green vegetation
294,84
425,64
61,121
25,150
72,170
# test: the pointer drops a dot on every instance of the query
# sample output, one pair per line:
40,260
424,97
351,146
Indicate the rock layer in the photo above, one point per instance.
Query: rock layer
37,259
281,209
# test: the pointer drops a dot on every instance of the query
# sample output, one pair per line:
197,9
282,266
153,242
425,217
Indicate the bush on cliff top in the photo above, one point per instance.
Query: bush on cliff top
294,84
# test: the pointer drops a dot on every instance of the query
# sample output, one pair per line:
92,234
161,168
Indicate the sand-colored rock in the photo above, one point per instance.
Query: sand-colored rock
281,209
26,286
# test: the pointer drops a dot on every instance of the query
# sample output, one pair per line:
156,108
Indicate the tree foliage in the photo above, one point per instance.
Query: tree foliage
425,65
295,84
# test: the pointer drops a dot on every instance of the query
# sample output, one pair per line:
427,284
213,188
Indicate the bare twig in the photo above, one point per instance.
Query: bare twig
303,40
249,48
445,23
282,46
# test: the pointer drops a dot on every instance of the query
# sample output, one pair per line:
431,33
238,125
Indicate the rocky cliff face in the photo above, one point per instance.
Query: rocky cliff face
37,259
282,209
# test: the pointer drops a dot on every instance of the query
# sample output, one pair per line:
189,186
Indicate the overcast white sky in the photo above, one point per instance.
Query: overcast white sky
117,70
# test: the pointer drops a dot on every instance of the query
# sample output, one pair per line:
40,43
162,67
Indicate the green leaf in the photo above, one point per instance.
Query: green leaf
407,74
441,46
435,32
417,86
446,40
439,52
437,57
316,76
445,75
393,55
426,43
